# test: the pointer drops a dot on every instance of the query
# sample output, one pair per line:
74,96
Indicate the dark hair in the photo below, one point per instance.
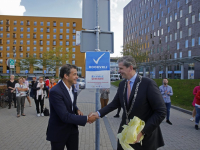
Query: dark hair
128,61
66,69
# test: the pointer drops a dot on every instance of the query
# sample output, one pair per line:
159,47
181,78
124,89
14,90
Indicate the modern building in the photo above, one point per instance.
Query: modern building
169,31
24,36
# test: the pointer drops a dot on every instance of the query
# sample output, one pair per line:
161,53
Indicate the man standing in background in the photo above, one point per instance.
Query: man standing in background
166,92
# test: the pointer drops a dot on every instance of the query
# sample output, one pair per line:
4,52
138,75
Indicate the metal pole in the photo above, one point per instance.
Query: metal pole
97,127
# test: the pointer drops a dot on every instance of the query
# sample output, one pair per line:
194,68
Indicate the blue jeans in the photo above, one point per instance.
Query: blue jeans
197,118
168,105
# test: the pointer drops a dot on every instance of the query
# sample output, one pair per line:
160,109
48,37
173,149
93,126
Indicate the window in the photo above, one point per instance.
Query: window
21,35
21,42
160,23
1,28
61,43
175,55
67,24
28,49
47,49
35,23
34,35
190,9
180,54
181,13
48,36
48,23
8,42
73,55
189,53
28,36
74,30
28,29
181,34
61,36
67,49
168,10
1,48
186,1
199,16
67,30
41,42
178,4
168,29
21,29
170,37
158,16
199,40
48,30
1,35
170,18
8,35
41,49
67,43
8,48
34,55
34,42
7,54
35,30
21,22
54,30
175,36
41,29
21,55
193,42
1,21
177,45
74,24
74,43
73,49
186,22
193,19
61,30
166,20
61,24
178,25
189,31
161,31
54,23
73,62
67,37
41,36
41,23
54,42
186,43
48,42
175,16
166,2
15,22
34,49
54,36
166,39
14,41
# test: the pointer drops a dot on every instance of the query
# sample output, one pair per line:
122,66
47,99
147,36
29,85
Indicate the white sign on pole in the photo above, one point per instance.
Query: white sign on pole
97,70
78,38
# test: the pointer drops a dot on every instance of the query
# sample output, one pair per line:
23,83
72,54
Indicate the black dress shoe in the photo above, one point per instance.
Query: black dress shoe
116,116
196,127
169,122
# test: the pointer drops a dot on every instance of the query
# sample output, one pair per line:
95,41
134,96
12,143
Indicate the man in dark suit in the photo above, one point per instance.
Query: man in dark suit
147,104
65,116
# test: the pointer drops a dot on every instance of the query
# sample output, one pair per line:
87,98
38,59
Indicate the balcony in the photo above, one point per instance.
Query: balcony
21,48
7,22
28,23
14,35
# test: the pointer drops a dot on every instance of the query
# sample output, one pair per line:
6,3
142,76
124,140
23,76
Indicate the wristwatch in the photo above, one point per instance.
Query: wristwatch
142,132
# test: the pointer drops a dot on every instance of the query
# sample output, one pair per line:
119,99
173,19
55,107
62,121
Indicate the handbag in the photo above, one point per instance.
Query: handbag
46,111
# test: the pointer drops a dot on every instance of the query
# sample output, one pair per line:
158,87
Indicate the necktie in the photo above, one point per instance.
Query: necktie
128,91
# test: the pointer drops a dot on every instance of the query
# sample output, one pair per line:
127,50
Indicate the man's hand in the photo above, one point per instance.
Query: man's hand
92,117
79,113
138,138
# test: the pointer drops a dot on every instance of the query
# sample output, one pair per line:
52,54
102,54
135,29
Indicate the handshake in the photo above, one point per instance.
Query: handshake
92,117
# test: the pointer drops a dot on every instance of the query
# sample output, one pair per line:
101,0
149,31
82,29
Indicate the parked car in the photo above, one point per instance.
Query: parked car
81,82
114,77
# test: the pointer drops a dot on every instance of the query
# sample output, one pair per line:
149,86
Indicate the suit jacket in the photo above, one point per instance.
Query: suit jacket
63,120
149,106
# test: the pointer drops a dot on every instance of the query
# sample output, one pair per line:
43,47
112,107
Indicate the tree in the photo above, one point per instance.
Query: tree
27,62
134,50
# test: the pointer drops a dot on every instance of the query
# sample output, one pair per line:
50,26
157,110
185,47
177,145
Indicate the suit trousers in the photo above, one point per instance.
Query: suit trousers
11,96
71,143
41,102
104,102
20,104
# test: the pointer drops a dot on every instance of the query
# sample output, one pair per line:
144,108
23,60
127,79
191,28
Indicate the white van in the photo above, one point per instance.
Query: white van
114,77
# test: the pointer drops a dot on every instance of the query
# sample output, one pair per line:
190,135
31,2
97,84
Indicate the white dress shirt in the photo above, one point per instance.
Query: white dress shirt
70,93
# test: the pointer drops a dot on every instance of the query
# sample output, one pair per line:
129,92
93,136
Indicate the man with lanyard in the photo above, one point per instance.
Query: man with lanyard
166,92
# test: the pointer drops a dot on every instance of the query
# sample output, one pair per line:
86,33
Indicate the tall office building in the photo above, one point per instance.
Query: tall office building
24,36
170,31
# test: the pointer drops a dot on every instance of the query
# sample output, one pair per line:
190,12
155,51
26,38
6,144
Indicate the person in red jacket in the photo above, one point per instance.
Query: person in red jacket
47,86
197,106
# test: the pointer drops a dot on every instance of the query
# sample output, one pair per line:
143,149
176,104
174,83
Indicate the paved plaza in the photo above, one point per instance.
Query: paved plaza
29,132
